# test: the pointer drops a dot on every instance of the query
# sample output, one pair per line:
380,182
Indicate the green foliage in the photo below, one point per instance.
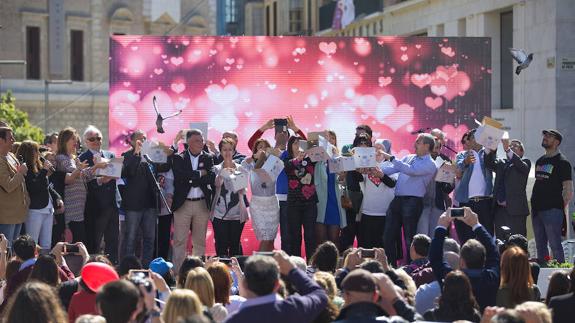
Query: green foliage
18,120
553,263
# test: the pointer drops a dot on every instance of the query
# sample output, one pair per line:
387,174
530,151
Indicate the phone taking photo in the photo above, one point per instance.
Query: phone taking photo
71,248
457,212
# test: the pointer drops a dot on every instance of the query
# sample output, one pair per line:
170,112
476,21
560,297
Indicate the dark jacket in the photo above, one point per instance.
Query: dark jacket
139,192
365,312
436,315
484,281
514,177
562,307
185,177
299,308
39,189
103,196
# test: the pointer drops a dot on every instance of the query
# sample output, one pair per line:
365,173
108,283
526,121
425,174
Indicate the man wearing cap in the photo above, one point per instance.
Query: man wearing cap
552,192
510,205
370,297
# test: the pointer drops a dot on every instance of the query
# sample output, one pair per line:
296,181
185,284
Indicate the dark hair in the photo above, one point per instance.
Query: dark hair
127,263
257,142
365,128
24,247
261,274
118,300
46,270
515,274
421,243
456,301
325,257
559,284
518,240
12,268
473,253
373,266
193,132
428,139
362,139
133,136
63,137
29,153
291,140
35,302
4,132
189,263
50,138
228,141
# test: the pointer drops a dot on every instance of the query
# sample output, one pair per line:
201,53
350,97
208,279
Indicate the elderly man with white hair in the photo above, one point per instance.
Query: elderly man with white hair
101,217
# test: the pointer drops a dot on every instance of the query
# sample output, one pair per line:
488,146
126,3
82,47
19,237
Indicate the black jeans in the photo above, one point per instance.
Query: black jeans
483,208
351,231
227,234
58,229
164,234
78,231
284,227
371,229
106,225
403,211
302,216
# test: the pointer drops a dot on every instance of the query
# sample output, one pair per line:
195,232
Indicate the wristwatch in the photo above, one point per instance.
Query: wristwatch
392,158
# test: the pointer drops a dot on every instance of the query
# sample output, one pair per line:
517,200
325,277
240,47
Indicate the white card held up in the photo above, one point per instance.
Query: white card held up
364,157
317,154
488,136
273,167
341,164
113,167
202,126
239,181
155,151
446,173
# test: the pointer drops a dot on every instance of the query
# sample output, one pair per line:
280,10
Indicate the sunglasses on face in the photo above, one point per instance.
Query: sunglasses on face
94,139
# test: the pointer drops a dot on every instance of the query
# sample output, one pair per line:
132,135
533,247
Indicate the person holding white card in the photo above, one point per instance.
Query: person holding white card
229,211
330,214
415,173
264,205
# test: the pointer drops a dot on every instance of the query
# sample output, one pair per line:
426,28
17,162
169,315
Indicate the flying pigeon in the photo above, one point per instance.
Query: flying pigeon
159,118
521,58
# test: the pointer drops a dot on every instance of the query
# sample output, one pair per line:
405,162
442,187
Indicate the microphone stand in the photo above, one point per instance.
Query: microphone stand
159,192
449,148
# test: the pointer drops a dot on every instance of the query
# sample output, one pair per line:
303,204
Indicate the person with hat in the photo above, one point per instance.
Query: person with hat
163,268
370,298
552,192
94,275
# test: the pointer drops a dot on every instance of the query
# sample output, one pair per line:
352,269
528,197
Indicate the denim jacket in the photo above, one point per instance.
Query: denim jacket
462,191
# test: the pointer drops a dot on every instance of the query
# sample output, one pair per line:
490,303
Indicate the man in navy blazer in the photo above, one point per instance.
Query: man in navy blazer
101,215
193,193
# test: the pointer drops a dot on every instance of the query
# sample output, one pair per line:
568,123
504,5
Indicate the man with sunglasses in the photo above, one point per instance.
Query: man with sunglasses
101,215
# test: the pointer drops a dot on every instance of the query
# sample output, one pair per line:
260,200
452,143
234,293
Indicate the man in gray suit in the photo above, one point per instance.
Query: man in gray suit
510,202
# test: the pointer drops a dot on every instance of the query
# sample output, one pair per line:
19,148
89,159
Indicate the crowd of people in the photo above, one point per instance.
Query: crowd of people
391,242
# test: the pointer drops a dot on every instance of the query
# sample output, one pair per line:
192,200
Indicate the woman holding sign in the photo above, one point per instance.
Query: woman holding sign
264,205
228,211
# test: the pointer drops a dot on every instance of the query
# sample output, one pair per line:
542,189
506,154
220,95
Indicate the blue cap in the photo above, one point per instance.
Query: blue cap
160,266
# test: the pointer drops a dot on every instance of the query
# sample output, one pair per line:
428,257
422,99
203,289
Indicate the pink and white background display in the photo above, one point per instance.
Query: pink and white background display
396,85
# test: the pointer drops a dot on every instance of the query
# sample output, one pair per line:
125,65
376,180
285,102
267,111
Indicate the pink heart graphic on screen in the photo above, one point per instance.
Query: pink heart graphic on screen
222,96
230,61
384,81
454,86
448,51
177,60
439,90
328,49
402,116
433,103
126,40
420,80
178,87
158,71
455,133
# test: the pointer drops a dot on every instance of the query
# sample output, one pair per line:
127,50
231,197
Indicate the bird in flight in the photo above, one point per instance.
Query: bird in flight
159,118
521,57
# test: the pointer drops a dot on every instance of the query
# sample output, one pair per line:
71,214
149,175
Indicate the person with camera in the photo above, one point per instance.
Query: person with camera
43,198
14,198
479,259
282,133
261,283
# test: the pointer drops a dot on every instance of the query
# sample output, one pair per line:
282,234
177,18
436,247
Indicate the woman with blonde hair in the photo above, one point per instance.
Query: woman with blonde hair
77,176
181,304
200,281
516,284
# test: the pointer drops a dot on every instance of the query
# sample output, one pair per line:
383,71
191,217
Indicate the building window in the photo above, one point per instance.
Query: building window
295,16
268,32
275,20
506,23
231,11
33,53
77,55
